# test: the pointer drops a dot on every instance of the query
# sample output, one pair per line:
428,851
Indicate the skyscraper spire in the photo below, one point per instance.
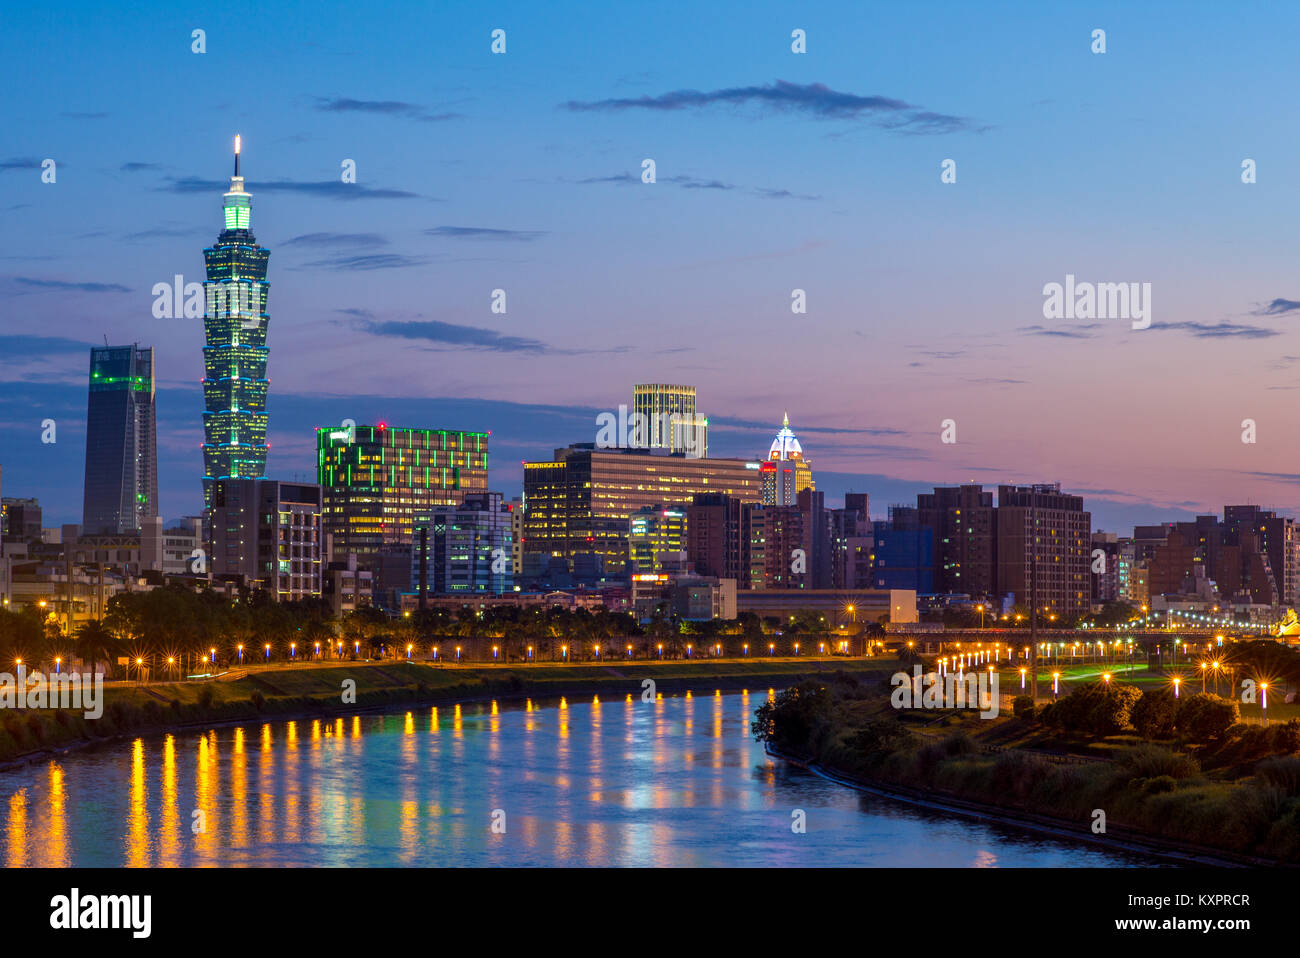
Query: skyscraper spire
238,204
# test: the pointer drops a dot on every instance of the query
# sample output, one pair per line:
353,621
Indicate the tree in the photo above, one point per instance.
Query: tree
1153,715
95,642
793,719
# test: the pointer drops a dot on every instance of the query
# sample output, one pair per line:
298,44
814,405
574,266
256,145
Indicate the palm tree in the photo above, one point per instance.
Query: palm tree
95,642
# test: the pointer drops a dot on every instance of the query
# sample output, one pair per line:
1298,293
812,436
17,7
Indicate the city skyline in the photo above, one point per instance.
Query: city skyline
522,172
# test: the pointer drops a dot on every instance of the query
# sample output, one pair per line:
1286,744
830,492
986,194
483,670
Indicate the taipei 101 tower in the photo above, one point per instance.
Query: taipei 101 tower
234,352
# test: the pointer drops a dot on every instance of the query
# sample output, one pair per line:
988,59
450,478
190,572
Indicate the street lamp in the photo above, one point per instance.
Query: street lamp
1022,679
1263,688
241,653
1177,683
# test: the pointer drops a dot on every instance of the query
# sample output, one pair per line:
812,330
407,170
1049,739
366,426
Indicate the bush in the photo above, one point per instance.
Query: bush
1099,708
1282,773
258,700
1153,714
1152,761
206,695
1022,707
1204,716
1286,738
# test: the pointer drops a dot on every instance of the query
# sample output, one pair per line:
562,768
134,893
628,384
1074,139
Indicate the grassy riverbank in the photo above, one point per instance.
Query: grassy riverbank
271,693
1171,792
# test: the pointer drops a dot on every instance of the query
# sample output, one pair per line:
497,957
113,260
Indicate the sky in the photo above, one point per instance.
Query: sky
775,171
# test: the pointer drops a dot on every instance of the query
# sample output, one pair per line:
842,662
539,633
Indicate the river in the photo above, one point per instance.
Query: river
674,782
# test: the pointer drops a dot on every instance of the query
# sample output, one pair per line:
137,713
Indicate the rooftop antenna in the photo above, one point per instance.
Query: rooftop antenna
236,154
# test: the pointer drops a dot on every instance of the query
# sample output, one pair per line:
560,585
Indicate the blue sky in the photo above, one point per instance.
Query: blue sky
776,171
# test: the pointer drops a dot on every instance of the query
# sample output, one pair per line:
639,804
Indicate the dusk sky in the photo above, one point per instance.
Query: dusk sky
776,171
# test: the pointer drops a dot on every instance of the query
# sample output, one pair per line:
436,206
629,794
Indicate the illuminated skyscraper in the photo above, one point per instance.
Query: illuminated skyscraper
786,473
234,354
671,420
121,488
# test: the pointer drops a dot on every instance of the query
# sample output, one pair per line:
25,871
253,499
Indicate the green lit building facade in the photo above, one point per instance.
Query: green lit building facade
234,353
377,480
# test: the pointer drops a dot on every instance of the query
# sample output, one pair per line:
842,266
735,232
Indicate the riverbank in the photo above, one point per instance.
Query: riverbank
308,692
1116,839
1153,797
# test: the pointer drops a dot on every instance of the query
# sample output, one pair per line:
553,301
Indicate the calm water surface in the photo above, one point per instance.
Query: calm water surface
676,782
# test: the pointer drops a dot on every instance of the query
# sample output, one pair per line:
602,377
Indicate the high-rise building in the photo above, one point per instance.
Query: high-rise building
654,535
716,543
672,421
1044,548
234,353
268,534
1105,568
465,549
851,522
580,504
960,520
902,555
378,479
22,519
121,479
786,472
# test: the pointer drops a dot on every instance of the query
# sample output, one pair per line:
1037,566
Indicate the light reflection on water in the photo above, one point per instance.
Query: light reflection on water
676,781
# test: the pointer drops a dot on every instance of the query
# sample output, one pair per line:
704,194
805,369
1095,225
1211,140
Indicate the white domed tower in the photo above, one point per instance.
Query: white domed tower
786,472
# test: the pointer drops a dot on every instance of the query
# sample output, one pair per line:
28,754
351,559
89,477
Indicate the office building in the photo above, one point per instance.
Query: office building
672,422
581,503
235,321
463,550
268,534
121,477
378,479
656,536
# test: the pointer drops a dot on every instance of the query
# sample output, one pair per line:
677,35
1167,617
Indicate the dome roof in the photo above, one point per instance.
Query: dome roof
785,445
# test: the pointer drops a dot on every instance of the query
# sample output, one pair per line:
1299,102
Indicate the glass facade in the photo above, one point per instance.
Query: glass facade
583,502
235,321
121,481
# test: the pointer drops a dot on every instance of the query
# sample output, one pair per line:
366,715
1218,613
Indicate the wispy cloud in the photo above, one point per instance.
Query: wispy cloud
1220,330
367,262
813,99
138,167
395,108
62,284
1277,307
28,345
1069,331
483,233
19,163
318,240
332,189
450,334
